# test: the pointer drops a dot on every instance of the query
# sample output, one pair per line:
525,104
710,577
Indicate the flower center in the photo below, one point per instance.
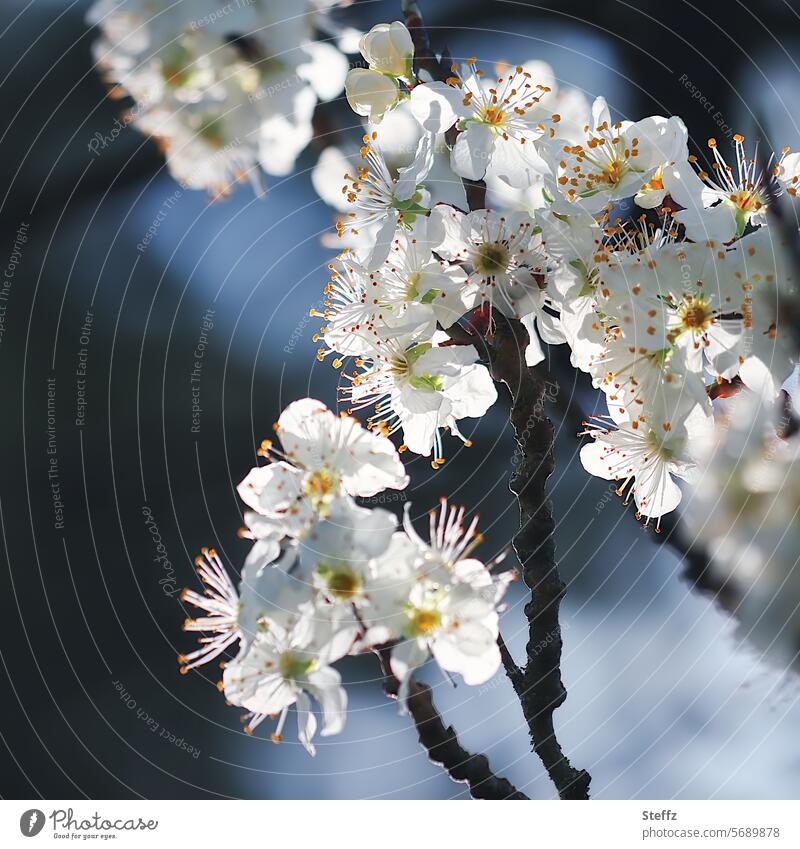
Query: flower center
491,258
695,314
343,584
399,367
401,364
424,622
746,201
212,132
177,70
412,293
494,115
294,666
660,449
320,487
614,171
655,183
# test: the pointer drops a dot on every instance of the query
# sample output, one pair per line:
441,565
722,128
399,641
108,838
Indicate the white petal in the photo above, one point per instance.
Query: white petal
600,112
306,723
405,658
412,175
472,151
270,489
325,71
325,686
716,224
383,242
594,458
436,106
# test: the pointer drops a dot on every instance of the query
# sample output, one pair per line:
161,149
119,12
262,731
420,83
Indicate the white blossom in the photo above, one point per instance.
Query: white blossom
282,668
324,457
498,121
420,388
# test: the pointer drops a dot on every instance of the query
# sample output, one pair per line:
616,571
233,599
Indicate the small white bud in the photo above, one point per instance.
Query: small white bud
389,49
371,93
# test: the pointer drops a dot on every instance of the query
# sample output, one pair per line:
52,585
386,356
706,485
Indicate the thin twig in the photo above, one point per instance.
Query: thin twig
441,742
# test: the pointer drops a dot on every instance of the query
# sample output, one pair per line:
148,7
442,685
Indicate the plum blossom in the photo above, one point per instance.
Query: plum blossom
420,388
721,203
615,159
220,106
509,269
644,461
384,201
324,457
282,668
408,295
498,121
220,601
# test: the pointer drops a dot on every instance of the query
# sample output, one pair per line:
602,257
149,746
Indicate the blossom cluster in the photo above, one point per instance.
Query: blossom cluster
745,509
225,90
668,309
326,578
660,308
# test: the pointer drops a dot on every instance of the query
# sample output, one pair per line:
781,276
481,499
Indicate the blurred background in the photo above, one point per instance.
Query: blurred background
103,455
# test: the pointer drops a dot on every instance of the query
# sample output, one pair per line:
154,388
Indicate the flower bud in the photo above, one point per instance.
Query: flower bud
389,49
371,93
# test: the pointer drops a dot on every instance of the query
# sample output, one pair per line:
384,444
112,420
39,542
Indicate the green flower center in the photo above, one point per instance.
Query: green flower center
342,583
491,258
412,293
294,666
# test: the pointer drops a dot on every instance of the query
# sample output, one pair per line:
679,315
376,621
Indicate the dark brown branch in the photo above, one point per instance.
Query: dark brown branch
441,742
424,57
538,684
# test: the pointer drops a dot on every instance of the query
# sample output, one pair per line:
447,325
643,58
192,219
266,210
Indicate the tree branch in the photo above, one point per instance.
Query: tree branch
441,742
538,684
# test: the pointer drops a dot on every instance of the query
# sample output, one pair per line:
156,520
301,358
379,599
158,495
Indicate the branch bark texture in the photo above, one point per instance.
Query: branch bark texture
538,684
441,742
